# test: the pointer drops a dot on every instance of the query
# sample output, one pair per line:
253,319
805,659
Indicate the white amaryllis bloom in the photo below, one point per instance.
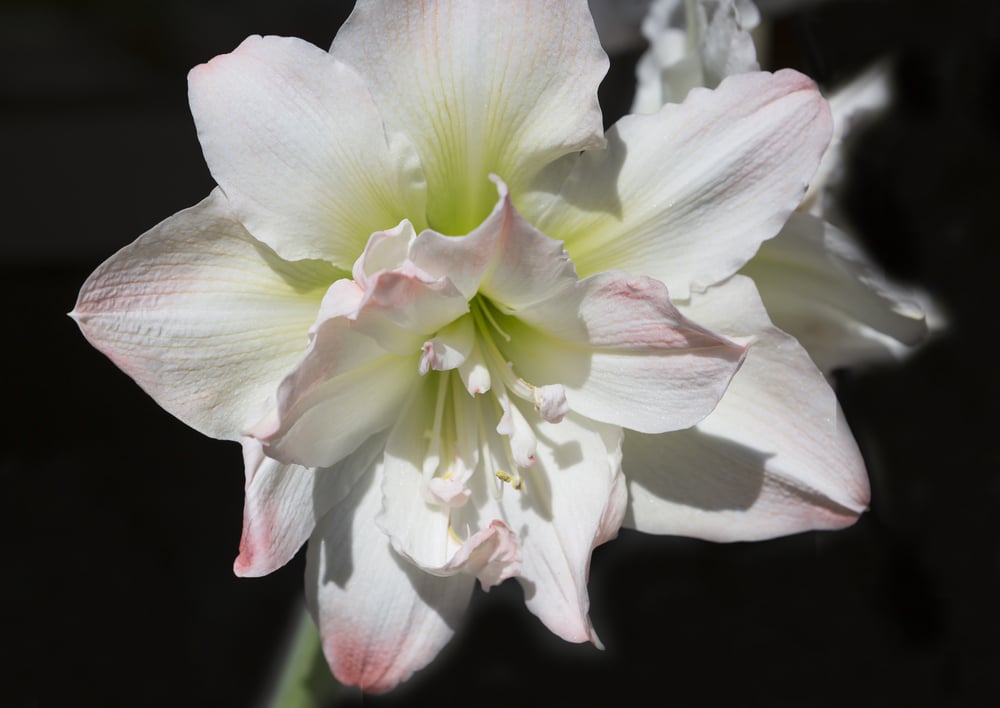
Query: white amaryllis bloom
428,385
815,279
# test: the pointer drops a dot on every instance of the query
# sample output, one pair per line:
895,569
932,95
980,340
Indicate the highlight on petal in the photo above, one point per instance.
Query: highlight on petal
380,617
775,457
346,388
623,353
206,319
480,88
822,289
293,138
688,194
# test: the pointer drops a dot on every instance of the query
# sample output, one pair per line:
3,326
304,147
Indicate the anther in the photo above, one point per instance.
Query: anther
516,481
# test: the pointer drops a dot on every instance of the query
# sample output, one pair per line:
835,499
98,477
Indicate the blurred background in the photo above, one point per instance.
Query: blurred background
120,524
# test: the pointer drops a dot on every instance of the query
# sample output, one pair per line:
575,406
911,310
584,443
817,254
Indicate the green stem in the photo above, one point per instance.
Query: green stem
304,680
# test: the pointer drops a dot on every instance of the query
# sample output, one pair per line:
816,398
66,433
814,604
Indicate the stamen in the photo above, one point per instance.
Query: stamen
492,320
548,400
517,482
432,461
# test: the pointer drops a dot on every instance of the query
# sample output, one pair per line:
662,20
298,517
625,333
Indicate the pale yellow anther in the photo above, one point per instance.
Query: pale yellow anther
516,481
454,536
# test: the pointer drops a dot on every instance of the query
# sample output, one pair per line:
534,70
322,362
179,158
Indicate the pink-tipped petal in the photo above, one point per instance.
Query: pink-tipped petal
380,617
775,457
283,503
206,319
623,353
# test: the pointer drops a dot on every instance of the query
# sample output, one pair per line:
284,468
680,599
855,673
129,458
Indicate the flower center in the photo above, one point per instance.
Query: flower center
459,435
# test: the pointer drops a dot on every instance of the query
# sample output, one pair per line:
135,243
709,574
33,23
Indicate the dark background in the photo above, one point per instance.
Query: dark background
120,525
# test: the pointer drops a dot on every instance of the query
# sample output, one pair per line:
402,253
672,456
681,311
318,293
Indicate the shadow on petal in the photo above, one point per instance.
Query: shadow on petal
302,275
339,566
434,590
702,471
600,193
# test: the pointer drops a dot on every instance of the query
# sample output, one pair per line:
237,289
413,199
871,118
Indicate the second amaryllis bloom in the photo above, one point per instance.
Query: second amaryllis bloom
430,299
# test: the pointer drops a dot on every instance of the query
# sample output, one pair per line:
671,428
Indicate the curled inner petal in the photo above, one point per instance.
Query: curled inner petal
492,555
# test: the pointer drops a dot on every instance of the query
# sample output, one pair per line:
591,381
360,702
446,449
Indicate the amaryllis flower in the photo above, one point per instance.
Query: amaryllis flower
429,297
816,280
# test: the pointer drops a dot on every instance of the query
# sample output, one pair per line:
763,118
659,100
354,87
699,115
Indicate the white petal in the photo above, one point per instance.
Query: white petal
206,319
725,46
775,457
623,353
818,286
688,194
380,617
480,88
386,250
283,503
293,138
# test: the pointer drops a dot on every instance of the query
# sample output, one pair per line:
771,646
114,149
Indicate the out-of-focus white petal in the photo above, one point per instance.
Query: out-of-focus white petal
480,88
206,319
623,353
687,195
693,44
859,99
818,286
380,617
775,457
283,503
293,138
